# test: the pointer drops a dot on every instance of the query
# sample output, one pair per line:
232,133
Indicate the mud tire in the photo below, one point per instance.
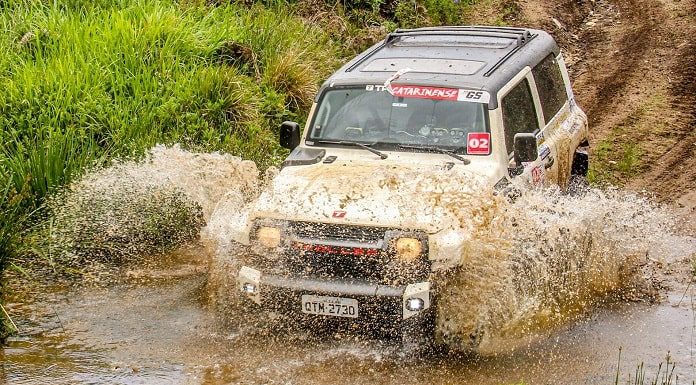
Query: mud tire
418,334
230,308
577,182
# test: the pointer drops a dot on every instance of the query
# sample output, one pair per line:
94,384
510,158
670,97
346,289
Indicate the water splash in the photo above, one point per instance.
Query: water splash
538,261
133,209
526,265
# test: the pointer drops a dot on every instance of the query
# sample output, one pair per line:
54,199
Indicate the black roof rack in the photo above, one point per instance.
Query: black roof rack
501,51
520,35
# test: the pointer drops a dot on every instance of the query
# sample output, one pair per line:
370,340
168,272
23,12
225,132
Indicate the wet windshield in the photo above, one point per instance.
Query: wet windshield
428,117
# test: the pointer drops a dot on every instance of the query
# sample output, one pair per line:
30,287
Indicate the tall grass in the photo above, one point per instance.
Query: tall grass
89,81
84,82
11,218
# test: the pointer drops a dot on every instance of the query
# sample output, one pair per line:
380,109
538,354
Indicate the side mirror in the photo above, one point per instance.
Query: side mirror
525,148
289,135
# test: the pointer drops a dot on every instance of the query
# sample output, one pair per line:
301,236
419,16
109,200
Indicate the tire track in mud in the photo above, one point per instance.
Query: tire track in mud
677,170
646,67
615,74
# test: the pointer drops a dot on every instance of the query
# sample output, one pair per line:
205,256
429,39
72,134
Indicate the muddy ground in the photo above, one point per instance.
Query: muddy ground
633,63
634,68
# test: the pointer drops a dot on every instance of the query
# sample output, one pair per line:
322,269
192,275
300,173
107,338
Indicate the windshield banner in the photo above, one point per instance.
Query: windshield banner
439,93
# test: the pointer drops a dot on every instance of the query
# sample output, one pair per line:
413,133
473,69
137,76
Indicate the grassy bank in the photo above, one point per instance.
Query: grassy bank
85,82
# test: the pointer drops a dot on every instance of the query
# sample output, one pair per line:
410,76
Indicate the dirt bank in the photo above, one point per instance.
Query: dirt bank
633,63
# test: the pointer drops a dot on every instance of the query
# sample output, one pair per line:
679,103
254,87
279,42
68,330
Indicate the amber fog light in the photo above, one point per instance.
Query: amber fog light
268,236
408,249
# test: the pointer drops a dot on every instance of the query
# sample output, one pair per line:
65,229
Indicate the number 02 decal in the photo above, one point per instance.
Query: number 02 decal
478,143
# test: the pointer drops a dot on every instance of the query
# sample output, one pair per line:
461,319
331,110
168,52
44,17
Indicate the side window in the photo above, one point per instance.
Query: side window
552,91
519,114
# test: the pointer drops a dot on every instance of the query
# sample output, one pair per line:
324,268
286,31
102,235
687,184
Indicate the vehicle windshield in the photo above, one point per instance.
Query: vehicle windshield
428,118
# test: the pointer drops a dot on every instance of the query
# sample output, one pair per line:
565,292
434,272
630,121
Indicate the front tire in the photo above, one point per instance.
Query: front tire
418,334
578,183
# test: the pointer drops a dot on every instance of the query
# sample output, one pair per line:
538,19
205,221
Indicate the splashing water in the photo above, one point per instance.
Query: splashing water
138,208
525,266
536,262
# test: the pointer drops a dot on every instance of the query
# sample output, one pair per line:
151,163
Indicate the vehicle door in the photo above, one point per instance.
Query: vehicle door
555,139
519,109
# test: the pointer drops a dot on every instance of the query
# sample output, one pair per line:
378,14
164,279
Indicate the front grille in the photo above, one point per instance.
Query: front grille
329,250
321,265
337,232
323,250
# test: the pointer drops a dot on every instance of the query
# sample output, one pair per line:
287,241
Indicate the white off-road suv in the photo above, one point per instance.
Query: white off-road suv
339,235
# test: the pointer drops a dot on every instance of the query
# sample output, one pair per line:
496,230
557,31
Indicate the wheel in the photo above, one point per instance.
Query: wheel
578,183
230,308
418,334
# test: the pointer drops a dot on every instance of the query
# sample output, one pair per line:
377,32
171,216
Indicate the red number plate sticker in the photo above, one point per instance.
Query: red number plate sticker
478,143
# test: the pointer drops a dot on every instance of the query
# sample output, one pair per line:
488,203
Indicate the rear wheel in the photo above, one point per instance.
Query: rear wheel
578,182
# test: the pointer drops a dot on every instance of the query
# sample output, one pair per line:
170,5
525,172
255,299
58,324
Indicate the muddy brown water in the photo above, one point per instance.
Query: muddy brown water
154,327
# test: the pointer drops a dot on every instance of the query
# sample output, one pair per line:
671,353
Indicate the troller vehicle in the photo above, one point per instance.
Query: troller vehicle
343,231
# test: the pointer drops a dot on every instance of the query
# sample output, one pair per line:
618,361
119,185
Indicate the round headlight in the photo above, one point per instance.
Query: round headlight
408,249
268,236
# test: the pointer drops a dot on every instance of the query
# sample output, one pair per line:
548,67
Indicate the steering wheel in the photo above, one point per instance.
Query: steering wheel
375,124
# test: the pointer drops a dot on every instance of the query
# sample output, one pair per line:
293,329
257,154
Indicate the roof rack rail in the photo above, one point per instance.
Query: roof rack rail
368,54
465,28
521,37
527,38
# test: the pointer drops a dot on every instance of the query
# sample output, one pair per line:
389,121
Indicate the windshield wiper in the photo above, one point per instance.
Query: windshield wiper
355,144
435,149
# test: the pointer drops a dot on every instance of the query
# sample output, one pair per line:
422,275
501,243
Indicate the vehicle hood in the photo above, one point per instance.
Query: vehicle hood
417,197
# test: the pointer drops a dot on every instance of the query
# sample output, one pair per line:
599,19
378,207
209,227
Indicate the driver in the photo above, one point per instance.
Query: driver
359,117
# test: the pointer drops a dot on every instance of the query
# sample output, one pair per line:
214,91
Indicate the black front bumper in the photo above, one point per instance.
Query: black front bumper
376,303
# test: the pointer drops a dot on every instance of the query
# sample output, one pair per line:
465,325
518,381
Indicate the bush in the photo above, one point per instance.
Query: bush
418,13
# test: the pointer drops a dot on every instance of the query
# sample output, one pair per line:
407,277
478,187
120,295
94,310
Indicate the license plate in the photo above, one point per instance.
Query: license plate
331,306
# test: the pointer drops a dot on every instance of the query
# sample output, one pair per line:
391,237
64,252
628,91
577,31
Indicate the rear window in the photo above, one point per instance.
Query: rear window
552,91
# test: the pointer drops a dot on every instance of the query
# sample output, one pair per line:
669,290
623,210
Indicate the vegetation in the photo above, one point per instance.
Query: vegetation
614,162
10,226
85,82
664,374
627,150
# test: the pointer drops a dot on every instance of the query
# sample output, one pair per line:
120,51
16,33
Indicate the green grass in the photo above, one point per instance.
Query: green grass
11,221
85,82
632,146
614,163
